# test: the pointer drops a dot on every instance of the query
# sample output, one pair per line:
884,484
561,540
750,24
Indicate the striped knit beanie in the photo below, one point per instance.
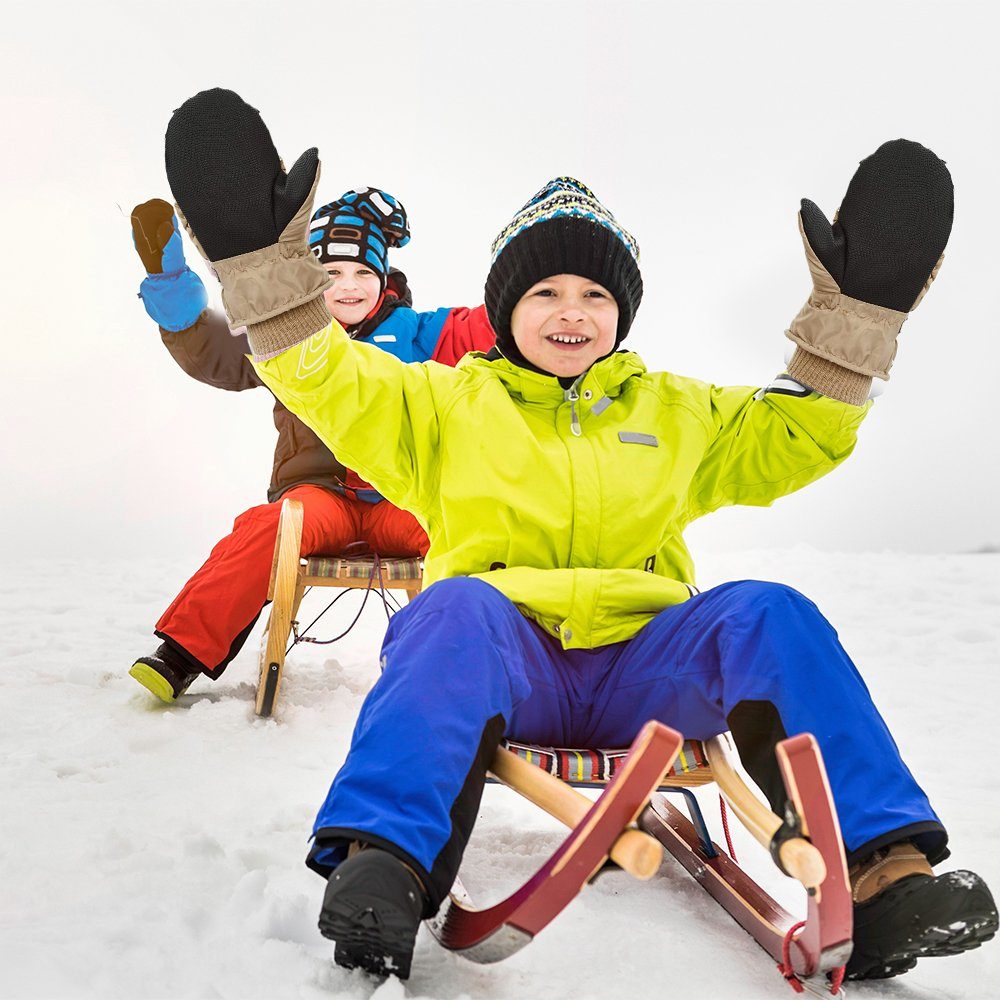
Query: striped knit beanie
563,229
361,225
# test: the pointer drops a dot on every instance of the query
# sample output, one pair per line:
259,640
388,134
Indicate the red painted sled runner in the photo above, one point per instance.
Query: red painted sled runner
805,844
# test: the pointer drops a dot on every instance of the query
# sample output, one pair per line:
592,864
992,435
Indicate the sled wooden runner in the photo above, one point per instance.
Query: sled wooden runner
805,843
824,943
292,575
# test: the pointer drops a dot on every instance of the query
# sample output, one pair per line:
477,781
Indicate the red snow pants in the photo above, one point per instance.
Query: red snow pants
212,616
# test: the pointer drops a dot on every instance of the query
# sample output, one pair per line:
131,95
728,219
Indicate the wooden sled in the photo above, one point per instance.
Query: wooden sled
292,575
805,843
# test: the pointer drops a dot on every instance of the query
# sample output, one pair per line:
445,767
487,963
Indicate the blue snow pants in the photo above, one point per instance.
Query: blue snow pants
463,667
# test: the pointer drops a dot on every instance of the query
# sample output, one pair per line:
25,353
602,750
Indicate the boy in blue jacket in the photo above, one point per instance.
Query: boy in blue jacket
208,622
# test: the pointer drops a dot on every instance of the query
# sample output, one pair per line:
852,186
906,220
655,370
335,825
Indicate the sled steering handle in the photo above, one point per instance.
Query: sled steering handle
796,855
634,851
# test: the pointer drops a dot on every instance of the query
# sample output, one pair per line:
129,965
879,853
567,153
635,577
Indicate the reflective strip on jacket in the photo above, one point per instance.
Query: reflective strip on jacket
572,507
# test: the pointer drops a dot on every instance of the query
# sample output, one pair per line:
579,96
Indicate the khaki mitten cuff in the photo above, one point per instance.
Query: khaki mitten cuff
272,336
265,283
856,335
829,379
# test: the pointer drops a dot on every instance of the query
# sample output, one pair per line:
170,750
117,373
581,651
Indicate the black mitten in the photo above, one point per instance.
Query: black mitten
891,228
227,177
870,268
245,214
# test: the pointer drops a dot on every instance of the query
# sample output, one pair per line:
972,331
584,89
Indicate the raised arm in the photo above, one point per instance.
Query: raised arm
250,219
209,352
377,414
766,443
198,339
870,269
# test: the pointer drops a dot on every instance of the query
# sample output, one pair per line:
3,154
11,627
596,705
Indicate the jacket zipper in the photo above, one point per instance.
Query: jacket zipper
572,397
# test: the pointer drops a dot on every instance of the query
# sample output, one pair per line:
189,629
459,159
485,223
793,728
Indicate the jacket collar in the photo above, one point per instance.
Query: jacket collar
604,378
397,295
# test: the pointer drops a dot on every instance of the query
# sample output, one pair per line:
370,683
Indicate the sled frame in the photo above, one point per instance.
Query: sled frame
806,840
289,581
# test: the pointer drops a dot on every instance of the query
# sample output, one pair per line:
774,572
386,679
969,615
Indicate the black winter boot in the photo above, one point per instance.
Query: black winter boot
372,909
903,912
165,673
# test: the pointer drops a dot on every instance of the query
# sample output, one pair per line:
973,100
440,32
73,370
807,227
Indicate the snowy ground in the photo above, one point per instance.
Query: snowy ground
148,851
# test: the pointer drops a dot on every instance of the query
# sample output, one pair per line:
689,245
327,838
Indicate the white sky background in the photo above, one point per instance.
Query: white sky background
700,125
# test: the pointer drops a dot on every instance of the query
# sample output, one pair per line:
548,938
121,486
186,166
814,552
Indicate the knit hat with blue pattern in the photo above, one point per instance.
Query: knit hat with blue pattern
362,226
563,229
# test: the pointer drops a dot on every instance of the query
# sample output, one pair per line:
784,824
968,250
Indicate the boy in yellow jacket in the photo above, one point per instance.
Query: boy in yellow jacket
554,478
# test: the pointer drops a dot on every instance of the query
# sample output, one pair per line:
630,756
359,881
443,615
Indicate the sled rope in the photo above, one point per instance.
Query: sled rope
725,827
391,607
787,970
785,966
837,979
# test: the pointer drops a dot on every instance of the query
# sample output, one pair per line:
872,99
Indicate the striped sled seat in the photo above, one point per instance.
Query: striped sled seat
631,824
292,576
318,571
594,768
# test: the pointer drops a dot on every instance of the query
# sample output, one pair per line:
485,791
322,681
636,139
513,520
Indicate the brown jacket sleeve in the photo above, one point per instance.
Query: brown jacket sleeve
210,353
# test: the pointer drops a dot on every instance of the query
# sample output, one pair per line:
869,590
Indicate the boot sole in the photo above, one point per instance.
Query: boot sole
896,965
963,934
153,682
381,950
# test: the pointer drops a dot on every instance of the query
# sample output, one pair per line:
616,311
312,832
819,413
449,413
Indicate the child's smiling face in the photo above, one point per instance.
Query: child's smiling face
354,293
565,323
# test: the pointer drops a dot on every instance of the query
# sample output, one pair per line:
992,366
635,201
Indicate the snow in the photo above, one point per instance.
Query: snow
153,851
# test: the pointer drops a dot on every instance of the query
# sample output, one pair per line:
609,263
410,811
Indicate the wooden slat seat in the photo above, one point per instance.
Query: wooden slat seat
292,575
332,571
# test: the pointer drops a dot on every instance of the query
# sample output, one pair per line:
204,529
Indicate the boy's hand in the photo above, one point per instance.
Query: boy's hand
248,217
157,238
870,267
172,293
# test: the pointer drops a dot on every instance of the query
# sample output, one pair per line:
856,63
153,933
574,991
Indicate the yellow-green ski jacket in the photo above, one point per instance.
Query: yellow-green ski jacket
570,502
